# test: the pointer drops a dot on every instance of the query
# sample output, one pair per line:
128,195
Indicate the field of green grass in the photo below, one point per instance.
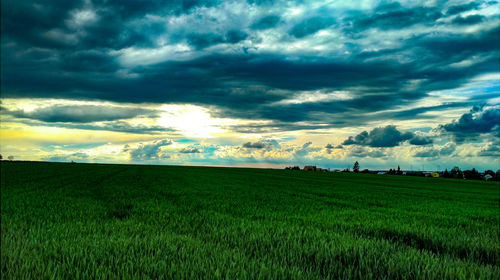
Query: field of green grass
91,221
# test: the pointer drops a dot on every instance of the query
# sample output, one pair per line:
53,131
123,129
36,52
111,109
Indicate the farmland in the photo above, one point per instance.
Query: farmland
74,221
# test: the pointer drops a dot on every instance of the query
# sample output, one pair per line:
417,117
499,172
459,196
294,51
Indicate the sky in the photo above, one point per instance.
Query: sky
252,83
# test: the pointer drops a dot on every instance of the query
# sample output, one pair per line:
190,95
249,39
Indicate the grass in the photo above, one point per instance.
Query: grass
91,221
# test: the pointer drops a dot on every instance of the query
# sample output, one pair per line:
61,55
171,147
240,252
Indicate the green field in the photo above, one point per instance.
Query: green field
91,221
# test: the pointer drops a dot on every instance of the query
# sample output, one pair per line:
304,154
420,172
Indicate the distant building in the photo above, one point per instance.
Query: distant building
310,168
381,173
435,175
488,177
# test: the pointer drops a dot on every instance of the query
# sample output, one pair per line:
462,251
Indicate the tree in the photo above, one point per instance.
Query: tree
472,174
446,174
489,172
497,176
292,167
355,168
456,173
11,157
1,157
399,172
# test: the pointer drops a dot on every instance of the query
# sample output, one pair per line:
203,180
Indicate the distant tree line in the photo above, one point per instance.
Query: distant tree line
292,167
395,172
455,172
11,158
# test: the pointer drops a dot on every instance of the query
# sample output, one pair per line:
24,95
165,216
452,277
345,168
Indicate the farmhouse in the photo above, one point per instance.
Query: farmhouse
310,168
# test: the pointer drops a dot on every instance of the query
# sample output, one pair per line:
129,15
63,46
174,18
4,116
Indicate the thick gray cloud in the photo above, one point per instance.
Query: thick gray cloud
255,145
453,10
79,113
203,40
190,150
116,126
310,26
264,143
477,121
149,151
235,36
362,153
388,136
472,19
266,22
420,140
445,150
393,16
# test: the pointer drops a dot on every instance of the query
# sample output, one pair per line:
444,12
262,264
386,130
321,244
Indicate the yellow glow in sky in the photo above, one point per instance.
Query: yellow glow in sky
192,120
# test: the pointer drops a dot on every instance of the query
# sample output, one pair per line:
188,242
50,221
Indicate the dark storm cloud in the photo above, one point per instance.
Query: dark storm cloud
420,140
457,9
190,150
171,81
310,26
392,16
235,36
200,40
255,145
204,40
405,114
48,24
46,54
388,136
27,21
450,46
445,150
113,126
473,19
264,143
78,113
266,22
87,61
477,121
150,151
